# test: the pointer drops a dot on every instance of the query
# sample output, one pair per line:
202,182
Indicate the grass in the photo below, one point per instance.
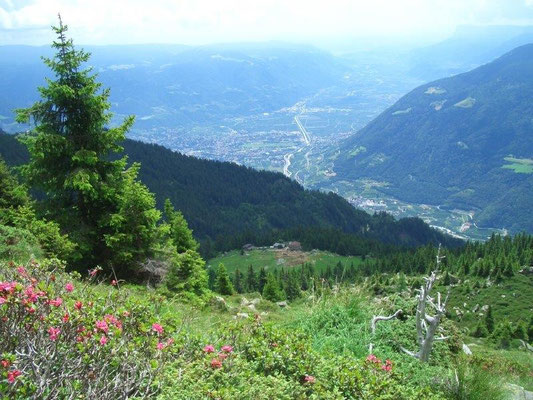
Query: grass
275,259
519,165
510,300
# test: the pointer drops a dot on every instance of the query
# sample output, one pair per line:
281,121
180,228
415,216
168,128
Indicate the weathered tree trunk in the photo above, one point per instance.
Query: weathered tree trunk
426,325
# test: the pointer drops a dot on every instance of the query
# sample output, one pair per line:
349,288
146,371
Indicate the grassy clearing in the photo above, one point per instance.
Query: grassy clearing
519,165
274,259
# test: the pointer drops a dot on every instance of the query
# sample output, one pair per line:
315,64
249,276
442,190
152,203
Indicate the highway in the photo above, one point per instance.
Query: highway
305,134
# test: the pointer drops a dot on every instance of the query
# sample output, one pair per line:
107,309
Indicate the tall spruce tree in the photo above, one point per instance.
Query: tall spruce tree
70,150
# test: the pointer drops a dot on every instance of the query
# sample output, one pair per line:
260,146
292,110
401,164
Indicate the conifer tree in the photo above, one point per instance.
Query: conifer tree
271,290
180,233
261,281
223,283
70,150
489,320
238,281
251,279
520,331
292,286
211,278
187,274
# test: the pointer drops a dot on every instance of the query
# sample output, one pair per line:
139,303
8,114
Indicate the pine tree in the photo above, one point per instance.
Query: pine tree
489,320
251,279
508,270
261,281
402,283
187,274
70,150
223,283
271,290
292,287
180,233
211,278
133,226
502,335
238,281
520,331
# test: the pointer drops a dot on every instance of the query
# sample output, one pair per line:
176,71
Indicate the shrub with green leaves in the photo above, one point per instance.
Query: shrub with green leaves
61,337
253,360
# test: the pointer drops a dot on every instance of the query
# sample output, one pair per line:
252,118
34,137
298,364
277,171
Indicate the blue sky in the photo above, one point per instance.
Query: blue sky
202,21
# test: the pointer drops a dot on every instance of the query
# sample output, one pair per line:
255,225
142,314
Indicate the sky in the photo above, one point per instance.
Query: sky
196,22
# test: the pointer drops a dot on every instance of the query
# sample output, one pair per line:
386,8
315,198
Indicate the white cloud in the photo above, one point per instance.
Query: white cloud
205,21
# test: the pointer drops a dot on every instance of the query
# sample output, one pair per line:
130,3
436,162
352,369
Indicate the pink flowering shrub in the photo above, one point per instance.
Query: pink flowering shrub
251,360
61,336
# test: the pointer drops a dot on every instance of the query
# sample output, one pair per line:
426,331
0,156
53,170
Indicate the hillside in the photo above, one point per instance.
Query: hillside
221,199
460,142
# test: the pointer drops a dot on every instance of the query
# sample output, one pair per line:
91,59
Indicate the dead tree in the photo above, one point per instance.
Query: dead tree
426,324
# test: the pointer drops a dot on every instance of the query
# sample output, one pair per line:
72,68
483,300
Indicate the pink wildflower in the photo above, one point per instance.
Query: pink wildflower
69,287
31,295
65,318
54,333
31,310
93,272
12,375
160,346
216,363
78,305
222,356
371,358
103,340
114,282
102,325
309,379
8,287
157,328
57,302
22,271
209,348
227,349
170,341
5,363
2,300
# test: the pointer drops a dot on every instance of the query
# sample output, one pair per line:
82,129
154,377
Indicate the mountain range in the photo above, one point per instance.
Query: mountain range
459,142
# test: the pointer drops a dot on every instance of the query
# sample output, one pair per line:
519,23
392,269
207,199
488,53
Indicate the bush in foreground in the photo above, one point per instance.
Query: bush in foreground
60,337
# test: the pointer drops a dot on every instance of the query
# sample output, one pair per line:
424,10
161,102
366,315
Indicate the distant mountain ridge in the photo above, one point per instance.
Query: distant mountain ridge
171,85
464,141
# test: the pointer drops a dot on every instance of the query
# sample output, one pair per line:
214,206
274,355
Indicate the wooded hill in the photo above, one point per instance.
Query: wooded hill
227,205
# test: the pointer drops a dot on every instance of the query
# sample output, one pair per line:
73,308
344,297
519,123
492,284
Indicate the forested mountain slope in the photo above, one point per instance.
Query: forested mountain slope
464,141
224,199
